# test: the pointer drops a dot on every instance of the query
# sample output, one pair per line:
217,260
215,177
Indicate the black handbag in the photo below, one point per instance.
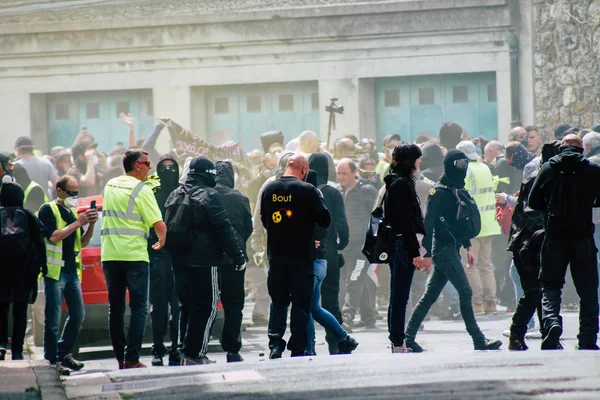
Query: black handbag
379,239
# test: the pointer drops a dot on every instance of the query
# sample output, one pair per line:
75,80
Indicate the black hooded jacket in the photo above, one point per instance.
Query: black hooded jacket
568,209
215,234
20,271
338,233
161,194
236,204
442,207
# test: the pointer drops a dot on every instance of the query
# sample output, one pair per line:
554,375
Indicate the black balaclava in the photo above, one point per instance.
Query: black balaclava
311,177
168,175
202,170
320,164
225,174
453,176
11,195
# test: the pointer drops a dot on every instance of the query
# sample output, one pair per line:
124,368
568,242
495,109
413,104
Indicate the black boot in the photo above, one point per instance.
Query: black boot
488,344
517,344
552,340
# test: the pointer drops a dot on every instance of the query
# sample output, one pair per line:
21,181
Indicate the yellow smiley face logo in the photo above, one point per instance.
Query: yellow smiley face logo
276,217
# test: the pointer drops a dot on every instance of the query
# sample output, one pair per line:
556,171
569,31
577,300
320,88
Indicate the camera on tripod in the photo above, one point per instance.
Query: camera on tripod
334,108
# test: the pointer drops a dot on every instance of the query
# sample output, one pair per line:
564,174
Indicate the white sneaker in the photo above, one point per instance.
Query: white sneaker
506,333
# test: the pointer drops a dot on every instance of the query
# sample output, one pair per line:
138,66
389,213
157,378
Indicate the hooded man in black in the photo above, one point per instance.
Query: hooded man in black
442,242
565,190
20,269
195,268
231,280
163,293
336,240
432,162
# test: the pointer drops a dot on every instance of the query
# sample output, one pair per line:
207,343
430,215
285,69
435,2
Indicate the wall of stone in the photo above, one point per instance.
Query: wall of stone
566,62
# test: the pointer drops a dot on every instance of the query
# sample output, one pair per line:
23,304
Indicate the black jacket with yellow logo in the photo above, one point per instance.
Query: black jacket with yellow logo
290,208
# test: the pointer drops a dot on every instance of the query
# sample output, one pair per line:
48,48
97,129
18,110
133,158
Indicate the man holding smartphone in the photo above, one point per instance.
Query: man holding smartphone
65,237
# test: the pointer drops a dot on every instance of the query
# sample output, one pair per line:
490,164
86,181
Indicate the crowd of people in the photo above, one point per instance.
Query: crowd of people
473,213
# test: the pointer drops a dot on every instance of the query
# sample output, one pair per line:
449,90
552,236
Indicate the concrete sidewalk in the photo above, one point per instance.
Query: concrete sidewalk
30,378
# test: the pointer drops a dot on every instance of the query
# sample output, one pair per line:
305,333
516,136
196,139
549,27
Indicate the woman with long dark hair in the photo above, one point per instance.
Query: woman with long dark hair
403,213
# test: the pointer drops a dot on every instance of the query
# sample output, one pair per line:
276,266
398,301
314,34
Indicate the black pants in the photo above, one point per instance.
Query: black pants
330,290
231,283
163,295
402,271
505,290
448,268
198,291
529,302
356,280
290,281
122,277
19,326
580,254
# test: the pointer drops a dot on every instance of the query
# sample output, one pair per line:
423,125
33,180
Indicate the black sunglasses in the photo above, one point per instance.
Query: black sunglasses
71,193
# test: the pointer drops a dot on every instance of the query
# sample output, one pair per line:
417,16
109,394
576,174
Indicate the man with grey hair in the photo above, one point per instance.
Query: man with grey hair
591,147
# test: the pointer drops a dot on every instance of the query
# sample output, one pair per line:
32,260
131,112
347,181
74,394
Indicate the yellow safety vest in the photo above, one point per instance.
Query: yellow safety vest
479,182
30,187
120,222
54,252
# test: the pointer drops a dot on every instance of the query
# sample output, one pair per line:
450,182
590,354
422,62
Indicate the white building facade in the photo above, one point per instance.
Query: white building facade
401,66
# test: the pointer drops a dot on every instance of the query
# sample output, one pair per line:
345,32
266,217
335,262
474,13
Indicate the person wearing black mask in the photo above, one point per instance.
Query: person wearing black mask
195,268
565,191
442,241
22,263
403,214
231,280
162,284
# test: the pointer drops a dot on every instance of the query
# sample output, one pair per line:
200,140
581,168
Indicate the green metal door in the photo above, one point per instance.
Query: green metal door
411,106
63,119
462,102
223,115
392,105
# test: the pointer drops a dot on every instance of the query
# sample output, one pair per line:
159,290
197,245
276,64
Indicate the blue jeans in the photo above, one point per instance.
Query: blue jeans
122,276
448,268
322,316
69,287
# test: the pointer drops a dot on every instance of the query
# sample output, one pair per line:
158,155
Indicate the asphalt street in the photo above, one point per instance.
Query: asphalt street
449,369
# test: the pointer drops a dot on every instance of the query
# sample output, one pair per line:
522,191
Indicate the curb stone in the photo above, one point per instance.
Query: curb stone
48,381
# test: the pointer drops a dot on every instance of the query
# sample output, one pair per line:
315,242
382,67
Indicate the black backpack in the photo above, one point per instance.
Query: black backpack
14,232
178,218
468,220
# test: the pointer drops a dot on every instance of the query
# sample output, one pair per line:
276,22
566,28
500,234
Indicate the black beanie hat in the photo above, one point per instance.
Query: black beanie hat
202,165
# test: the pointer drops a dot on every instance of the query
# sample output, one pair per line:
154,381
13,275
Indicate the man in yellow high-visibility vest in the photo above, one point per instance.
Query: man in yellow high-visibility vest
479,183
65,238
129,211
